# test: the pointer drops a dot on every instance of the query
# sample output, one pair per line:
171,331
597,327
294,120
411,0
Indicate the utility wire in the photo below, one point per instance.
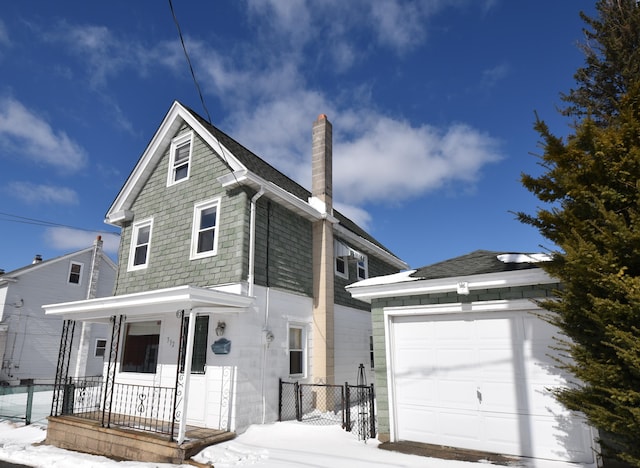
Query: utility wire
186,54
39,222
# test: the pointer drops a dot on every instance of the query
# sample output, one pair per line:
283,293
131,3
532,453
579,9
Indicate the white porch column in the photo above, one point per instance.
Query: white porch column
187,376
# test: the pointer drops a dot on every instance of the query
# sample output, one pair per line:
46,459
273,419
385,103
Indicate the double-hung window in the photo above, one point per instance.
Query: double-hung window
297,350
204,237
75,273
101,347
342,267
140,243
180,158
362,268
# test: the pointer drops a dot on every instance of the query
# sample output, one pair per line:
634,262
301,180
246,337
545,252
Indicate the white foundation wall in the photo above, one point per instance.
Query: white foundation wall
352,344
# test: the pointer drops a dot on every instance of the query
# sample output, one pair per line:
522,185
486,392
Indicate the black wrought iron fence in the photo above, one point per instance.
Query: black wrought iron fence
351,406
82,396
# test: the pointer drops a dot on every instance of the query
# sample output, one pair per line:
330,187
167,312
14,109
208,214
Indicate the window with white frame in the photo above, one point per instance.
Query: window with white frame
75,273
101,346
204,237
297,350
362,267
141,342
140,243
180,158
342,267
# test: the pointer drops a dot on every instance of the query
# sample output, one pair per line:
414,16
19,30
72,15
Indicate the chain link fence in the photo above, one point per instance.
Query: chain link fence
350,406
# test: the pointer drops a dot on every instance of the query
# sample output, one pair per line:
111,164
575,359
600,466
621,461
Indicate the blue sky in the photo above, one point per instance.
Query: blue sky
432,104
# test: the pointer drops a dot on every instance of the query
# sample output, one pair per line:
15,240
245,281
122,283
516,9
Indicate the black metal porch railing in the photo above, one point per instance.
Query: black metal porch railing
141,407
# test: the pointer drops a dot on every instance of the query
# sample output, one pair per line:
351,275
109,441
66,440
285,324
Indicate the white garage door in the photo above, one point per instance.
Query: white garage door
480,381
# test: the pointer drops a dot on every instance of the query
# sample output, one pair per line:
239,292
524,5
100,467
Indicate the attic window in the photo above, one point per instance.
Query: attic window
75,273
180,159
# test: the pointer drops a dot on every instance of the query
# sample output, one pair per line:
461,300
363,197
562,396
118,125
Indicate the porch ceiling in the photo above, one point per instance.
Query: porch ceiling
150,303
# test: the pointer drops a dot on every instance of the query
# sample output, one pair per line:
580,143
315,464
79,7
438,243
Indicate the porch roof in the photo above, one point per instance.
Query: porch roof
150,303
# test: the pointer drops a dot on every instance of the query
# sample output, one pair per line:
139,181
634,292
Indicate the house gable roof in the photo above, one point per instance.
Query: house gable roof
13,275
246,168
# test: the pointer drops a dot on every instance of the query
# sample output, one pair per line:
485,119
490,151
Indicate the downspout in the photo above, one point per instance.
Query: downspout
252,241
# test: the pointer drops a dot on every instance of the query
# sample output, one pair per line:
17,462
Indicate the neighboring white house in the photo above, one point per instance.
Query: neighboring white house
29,339
464,359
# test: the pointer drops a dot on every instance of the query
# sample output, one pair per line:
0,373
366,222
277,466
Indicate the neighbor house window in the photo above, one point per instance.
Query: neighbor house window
342,268
101,346
140,242
200,342
141,342
75,272
362,268
180,158
372,362
204,237
297,350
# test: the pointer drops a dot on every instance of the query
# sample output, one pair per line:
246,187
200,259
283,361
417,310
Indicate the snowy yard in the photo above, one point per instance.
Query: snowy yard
286,444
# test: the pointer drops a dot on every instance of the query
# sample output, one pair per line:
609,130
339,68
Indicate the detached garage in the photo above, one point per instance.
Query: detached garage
463,359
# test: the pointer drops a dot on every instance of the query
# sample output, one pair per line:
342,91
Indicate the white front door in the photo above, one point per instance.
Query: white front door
481,381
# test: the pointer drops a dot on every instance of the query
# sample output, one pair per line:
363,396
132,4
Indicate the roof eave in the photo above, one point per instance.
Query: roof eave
410,286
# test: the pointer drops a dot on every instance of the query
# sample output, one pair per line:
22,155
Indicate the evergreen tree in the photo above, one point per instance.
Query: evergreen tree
591,188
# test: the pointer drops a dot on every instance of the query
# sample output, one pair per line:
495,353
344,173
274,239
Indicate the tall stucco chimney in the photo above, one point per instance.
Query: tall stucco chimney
321,161
323,263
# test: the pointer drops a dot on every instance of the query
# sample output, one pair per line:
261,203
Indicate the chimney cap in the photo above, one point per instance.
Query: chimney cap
37,258
322,117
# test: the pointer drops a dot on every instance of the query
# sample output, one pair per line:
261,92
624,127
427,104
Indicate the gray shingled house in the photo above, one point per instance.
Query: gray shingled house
464,359
230,269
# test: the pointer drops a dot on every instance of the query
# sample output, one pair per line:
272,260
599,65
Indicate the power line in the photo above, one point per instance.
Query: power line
39,222
186,54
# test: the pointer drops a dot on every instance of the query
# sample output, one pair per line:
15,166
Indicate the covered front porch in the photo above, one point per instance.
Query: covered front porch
140,414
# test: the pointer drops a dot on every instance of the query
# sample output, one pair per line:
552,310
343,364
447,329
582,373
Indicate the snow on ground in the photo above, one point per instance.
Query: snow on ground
282,445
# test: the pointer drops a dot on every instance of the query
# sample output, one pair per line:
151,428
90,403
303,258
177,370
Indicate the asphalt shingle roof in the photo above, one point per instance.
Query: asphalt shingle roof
477,262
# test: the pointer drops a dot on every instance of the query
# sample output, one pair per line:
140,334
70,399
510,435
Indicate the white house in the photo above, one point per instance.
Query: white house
29,339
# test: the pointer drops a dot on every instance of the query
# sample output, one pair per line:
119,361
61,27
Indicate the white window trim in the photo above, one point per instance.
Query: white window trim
95,348
79,283
305,348
134,238
195,228
175,143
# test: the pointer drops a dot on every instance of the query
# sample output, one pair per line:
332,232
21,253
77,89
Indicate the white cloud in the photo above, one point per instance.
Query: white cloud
25,133
38,193
491,76
63,238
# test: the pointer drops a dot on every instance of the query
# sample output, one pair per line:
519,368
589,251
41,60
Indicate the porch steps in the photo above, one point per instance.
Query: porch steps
88,436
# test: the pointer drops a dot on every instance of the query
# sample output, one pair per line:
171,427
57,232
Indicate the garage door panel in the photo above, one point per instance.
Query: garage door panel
483,384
